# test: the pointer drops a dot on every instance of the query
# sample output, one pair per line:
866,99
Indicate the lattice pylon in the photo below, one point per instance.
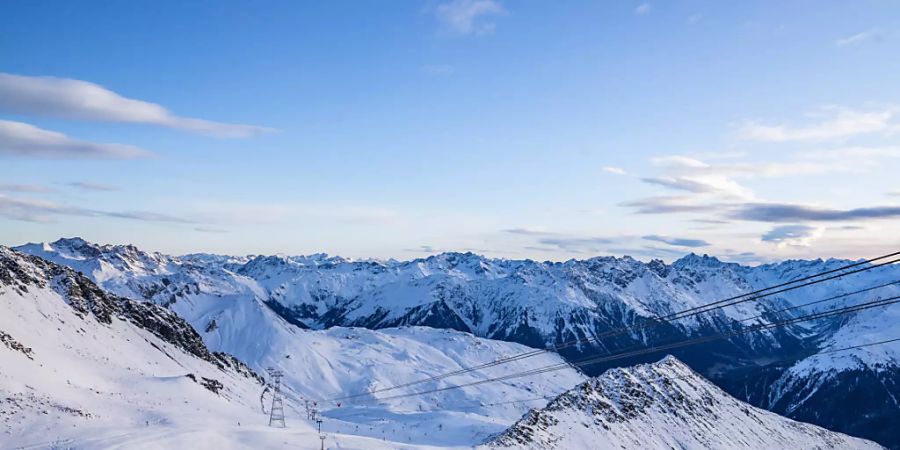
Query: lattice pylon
276,413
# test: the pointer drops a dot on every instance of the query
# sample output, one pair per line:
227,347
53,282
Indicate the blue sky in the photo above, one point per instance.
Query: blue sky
547,130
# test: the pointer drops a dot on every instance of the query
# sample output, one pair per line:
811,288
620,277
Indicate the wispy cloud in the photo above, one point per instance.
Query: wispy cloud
716,188
585,244
678,162
28,141
858,38
142,216
783,212
648,251
678,242
25,188
89,186
614,170
572,243
83,100
698,184
668,205
31,210
468,17
841,123
529,232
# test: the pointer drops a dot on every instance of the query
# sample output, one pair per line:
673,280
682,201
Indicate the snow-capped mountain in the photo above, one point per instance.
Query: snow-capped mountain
858,389
663,405
76,358
232,302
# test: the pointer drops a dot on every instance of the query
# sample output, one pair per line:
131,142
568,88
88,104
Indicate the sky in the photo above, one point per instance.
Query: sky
753,131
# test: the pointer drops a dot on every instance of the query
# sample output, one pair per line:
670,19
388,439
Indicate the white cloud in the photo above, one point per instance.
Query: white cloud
678,162
793,235
643,9
82,100
843,123
859,38
28,141
699,184
614,170
466,17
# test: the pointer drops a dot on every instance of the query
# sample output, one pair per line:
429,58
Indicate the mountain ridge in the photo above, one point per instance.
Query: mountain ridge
662,405
542,305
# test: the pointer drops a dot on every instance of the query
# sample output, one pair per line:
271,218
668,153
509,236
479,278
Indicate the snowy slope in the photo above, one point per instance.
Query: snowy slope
240,306
664,405
74,358
859,388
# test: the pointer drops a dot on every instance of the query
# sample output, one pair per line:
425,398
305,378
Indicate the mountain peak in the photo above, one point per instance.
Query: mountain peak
694,260
662,405
76,244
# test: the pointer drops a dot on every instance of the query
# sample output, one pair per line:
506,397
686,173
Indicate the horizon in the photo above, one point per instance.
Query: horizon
754,132
644,260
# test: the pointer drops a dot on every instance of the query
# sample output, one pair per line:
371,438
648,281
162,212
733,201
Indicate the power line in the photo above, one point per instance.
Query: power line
736,369
654,349
802,305
750,296
623,330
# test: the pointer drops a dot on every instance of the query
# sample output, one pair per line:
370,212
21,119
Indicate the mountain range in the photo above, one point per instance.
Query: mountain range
253,307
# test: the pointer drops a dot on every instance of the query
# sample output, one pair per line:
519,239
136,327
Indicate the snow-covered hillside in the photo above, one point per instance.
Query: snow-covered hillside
91,370
78,362
663,405
241,305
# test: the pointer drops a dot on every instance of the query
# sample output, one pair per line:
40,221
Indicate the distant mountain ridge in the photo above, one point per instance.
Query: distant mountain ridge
542,304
